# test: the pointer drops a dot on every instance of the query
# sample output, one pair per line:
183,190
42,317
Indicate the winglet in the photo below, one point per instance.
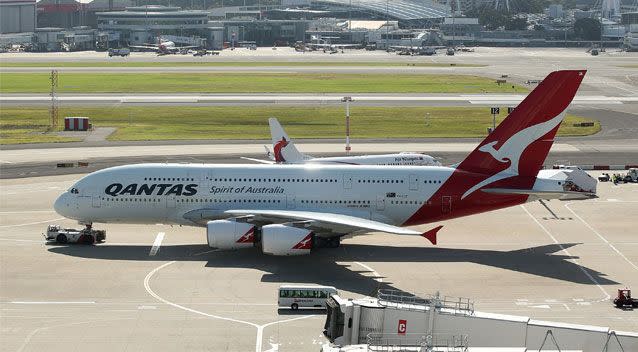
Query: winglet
430,235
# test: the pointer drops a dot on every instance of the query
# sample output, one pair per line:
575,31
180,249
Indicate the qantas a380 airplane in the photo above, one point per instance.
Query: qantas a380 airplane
289,209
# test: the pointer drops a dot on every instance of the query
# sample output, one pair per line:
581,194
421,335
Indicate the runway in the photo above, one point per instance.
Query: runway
301,99
17,161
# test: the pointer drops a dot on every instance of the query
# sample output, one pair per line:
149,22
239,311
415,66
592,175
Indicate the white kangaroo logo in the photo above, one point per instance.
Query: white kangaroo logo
512,149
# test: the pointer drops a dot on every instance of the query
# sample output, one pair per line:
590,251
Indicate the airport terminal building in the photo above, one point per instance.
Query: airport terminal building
143,24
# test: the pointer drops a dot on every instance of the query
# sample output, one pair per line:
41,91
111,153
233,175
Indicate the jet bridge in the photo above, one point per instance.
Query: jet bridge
398,321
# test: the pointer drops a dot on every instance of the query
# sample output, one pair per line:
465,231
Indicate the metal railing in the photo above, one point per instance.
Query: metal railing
417,342
411,301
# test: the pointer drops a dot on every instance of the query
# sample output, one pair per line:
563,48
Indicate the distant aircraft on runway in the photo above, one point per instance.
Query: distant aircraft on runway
285,152
291,209
163,47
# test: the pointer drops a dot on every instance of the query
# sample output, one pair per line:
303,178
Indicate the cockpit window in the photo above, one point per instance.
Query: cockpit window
74,190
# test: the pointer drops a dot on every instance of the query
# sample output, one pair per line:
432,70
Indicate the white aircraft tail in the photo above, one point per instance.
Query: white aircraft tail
284,149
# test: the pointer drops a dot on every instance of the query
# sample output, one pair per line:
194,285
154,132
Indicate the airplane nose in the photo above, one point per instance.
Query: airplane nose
61,204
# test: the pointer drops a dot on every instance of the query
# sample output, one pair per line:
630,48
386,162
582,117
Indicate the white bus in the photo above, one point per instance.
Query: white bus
300,296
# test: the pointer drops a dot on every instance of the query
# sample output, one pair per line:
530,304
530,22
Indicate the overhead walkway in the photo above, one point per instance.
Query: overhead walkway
396,321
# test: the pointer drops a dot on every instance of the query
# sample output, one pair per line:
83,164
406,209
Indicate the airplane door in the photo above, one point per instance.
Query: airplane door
97,201
208,182
290,202
414,183
170,202
84,202
347,181
380,202
446,204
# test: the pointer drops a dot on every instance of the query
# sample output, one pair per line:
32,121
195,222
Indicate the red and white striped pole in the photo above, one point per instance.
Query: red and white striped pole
347,100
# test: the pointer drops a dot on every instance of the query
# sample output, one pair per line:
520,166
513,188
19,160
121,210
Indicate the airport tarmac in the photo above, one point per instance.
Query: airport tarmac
160,288
300,99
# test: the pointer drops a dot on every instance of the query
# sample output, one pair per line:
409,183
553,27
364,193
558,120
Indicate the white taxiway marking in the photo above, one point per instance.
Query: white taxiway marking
377,277
36,331
27,211
575,261
31,223
156,244
260,328
53,302
601,236
542,306
20,240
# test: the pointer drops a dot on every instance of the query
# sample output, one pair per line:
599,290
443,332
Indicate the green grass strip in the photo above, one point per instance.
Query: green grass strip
115,63
25,125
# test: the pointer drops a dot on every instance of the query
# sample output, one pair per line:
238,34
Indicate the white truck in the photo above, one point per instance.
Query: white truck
119,52
58,234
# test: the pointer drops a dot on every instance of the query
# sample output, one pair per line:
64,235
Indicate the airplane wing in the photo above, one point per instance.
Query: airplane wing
322,222
330,224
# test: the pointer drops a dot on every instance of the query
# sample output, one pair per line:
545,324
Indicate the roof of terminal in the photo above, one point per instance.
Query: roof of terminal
154,11
398,9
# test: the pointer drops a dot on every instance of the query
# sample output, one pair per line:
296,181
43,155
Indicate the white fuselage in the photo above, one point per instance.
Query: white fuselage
186,193
401,159
171,191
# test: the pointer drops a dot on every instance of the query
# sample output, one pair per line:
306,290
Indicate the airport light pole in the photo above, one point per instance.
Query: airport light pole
347,100
387,29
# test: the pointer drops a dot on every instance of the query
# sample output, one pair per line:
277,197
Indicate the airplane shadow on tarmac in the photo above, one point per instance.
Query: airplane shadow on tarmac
335,267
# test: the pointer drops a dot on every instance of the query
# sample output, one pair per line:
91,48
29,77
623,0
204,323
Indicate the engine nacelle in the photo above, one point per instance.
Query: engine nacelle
230,234
286,240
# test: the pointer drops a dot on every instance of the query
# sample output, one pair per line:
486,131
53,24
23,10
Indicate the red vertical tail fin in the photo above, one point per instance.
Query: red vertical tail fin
524,138
510,157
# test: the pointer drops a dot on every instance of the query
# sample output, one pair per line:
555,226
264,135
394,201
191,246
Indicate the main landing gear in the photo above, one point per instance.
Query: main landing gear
329,242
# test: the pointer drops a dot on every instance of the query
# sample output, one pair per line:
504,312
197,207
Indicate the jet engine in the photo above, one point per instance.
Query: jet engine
230,234
286,240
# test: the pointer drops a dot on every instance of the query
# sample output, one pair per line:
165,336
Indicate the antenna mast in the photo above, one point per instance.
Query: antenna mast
54,99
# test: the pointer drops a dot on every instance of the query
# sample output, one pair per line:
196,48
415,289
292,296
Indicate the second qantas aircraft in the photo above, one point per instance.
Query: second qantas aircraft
289,209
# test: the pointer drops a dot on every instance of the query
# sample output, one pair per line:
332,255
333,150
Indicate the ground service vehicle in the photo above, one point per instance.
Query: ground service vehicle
604,177
202,52
119,52
624,300
85,236
299,296
632,175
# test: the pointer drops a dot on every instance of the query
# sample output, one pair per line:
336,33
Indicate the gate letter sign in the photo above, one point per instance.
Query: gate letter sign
403,326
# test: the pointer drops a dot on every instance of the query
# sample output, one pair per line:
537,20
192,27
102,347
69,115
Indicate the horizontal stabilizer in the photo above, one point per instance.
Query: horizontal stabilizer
261,161
430,235
561,195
